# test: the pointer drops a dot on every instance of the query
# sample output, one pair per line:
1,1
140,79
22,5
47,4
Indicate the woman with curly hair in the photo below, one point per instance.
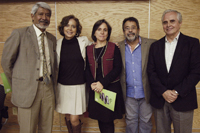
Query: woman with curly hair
70,95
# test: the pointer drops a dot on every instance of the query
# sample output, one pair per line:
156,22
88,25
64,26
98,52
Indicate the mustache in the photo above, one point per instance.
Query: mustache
131,34
43,21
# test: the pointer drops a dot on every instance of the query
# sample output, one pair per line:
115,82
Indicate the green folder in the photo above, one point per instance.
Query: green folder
106,98
6,84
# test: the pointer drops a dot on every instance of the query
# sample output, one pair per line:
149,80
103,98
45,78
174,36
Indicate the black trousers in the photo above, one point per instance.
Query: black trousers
106,127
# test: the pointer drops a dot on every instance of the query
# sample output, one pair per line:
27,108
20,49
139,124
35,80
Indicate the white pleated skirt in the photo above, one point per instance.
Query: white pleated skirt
71,99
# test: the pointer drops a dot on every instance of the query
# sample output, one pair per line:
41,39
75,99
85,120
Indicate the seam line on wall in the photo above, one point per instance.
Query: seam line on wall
56,20
149,18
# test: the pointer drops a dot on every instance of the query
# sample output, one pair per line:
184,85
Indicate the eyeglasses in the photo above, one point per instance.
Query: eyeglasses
128,28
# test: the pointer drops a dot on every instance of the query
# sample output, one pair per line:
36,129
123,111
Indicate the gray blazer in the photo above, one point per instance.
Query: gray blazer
21,63
145,51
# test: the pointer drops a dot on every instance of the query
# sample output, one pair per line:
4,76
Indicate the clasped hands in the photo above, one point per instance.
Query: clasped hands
97,86
170,96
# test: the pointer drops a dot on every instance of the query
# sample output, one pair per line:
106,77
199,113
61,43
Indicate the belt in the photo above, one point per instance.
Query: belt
41,78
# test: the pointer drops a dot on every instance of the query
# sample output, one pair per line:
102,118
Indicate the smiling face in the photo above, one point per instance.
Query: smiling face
41,18
131,31
70,29
171,25
101,33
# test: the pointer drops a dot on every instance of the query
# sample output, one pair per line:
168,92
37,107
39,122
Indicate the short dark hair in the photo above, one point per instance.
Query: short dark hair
65,21
96,26
131,19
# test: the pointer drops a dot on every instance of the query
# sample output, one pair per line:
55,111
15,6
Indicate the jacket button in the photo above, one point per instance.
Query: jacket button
38,69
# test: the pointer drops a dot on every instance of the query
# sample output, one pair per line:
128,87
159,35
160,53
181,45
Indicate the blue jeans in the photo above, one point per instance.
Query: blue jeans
138,116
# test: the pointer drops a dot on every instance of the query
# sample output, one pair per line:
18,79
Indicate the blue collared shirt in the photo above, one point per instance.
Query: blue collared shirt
134,87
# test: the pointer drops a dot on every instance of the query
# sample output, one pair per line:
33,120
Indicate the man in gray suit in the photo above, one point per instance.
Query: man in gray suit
134,50
23,61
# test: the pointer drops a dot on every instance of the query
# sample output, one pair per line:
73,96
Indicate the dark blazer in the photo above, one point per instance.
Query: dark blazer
146,43
21,63
183,75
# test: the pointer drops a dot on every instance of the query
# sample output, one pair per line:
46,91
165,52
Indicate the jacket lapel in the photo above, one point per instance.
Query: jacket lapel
82,45
122,49
178,50
161,51
58,49
50,45
31,33
144,52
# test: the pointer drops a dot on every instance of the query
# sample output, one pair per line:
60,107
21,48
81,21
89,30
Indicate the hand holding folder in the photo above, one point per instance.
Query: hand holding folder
106,98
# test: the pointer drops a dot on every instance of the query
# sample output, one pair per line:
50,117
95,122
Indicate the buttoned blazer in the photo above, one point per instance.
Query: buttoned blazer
183,75
21,63
83,43
145,45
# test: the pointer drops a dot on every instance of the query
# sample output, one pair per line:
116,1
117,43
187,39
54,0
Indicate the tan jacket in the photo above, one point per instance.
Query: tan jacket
21,63
145,51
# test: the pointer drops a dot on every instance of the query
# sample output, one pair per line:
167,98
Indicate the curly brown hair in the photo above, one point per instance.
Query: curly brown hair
65,21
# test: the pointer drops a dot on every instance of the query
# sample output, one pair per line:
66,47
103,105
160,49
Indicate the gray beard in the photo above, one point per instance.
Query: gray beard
42,27
131,39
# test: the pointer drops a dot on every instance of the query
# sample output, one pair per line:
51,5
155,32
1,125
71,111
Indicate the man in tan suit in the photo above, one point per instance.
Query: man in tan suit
134,50
23,61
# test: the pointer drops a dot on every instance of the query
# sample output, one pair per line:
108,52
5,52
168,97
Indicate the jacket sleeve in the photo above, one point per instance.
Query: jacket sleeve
88,74
10,54
88,42
154,81
190,81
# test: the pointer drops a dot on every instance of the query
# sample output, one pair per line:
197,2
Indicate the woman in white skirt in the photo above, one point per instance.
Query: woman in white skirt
70,95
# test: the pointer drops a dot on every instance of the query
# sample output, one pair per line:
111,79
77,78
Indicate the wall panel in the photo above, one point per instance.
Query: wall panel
189,10
114,12
17,15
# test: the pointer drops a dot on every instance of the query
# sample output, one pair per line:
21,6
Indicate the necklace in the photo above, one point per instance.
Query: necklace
97,58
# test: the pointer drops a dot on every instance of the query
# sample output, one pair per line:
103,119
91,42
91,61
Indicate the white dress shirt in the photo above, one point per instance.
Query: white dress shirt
169,50
38,34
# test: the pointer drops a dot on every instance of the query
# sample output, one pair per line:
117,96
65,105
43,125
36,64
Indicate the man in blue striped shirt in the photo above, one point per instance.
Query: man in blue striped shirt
134,50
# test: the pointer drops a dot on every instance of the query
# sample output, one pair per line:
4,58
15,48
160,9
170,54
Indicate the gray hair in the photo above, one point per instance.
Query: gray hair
40,4
179,16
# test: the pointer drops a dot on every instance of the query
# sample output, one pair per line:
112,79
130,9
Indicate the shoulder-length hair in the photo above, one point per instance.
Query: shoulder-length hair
65,21
96,26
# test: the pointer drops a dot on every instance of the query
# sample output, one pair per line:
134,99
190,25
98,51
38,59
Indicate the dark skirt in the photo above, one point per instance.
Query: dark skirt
99,112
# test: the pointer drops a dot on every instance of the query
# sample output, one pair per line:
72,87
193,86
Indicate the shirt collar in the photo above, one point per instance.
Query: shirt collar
38,31
176,38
